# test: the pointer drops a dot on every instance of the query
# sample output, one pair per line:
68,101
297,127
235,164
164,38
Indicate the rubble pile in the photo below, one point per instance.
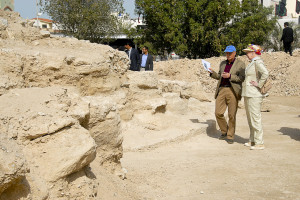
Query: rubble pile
281,66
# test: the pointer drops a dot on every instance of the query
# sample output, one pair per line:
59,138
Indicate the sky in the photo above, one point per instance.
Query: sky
27,8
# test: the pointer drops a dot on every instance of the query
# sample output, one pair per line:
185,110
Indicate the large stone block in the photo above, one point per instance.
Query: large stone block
175,103
12,163
143,80
61,154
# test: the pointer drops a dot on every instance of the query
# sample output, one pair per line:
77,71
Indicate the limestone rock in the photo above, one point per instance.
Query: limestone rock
45,34
69,59
157,105
143,80
3,24
175,103
54,143
12,163
61,154
105,127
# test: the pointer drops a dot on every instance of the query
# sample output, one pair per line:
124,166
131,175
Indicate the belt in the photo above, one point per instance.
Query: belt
225,86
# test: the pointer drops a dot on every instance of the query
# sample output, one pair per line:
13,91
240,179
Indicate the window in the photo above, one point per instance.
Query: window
297,6
280,9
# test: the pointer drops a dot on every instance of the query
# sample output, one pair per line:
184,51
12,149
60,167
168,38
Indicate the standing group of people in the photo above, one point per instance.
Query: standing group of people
235,81
139,62
144,62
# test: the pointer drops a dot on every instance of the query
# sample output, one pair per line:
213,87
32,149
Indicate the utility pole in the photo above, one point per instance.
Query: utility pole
37,15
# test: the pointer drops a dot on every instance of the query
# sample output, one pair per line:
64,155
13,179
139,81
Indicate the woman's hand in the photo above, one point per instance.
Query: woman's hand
254,83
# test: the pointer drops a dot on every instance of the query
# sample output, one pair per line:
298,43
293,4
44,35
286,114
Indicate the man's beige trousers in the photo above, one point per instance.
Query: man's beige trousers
253,106
226,98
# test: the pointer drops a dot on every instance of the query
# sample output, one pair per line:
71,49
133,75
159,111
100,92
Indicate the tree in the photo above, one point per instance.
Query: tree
164,22
273,42
93,20
205,24
251,25
204,28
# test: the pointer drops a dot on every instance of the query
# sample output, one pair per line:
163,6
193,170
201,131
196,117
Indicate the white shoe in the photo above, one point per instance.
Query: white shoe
257,147
265,95
249,144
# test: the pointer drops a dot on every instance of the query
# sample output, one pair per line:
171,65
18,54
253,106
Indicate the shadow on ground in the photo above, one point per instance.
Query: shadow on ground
294,133
212,131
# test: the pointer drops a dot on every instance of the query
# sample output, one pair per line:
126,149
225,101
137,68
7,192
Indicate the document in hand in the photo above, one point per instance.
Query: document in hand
206,65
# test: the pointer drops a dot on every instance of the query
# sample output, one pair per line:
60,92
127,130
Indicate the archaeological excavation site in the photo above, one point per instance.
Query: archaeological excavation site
76,124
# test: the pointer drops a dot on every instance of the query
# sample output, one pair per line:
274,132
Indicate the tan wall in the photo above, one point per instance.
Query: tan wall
291,8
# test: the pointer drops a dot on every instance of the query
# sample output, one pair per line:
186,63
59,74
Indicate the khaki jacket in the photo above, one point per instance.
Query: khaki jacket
248,89
237,72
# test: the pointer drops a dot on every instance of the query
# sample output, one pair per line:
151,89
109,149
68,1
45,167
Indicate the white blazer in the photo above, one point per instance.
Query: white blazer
250,75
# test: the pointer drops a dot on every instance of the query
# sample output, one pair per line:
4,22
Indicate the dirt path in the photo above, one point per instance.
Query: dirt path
203,167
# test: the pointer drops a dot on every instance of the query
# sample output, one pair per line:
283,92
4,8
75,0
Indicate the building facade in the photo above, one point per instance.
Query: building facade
7,5
286,10
46,24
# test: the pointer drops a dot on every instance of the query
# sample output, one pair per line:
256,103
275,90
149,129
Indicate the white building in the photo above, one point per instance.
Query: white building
290,14
45,24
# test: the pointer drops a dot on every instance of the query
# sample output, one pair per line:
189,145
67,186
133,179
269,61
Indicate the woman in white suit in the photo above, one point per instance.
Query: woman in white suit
255,76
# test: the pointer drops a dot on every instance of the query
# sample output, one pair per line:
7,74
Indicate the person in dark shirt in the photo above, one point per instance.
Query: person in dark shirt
134,57
287,38
228,93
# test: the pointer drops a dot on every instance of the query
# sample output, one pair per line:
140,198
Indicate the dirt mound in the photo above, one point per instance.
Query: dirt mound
282,68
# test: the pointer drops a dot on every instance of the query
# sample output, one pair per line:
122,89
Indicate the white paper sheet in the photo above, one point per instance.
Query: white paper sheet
206,65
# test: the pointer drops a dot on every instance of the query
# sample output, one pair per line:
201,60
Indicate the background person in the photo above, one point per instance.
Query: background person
228,92
146,60
252,96
134,57
287,38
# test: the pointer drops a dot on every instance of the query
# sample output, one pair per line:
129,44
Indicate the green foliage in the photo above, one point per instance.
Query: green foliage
204,28
85,19
250,26
273,43
296,28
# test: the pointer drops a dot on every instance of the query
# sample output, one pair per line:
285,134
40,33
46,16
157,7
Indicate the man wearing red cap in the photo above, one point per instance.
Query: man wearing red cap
229,89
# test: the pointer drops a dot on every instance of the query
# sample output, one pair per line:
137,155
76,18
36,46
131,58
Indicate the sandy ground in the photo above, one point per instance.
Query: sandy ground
203,167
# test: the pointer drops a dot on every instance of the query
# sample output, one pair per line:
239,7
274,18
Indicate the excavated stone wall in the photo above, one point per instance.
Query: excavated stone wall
65,104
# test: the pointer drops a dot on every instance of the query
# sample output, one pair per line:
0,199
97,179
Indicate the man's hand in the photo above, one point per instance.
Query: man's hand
210,70
225,75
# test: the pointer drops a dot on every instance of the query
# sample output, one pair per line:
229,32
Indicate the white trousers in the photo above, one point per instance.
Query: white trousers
253,107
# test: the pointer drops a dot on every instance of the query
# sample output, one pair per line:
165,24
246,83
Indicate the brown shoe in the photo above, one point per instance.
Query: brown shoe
229,141
223,137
